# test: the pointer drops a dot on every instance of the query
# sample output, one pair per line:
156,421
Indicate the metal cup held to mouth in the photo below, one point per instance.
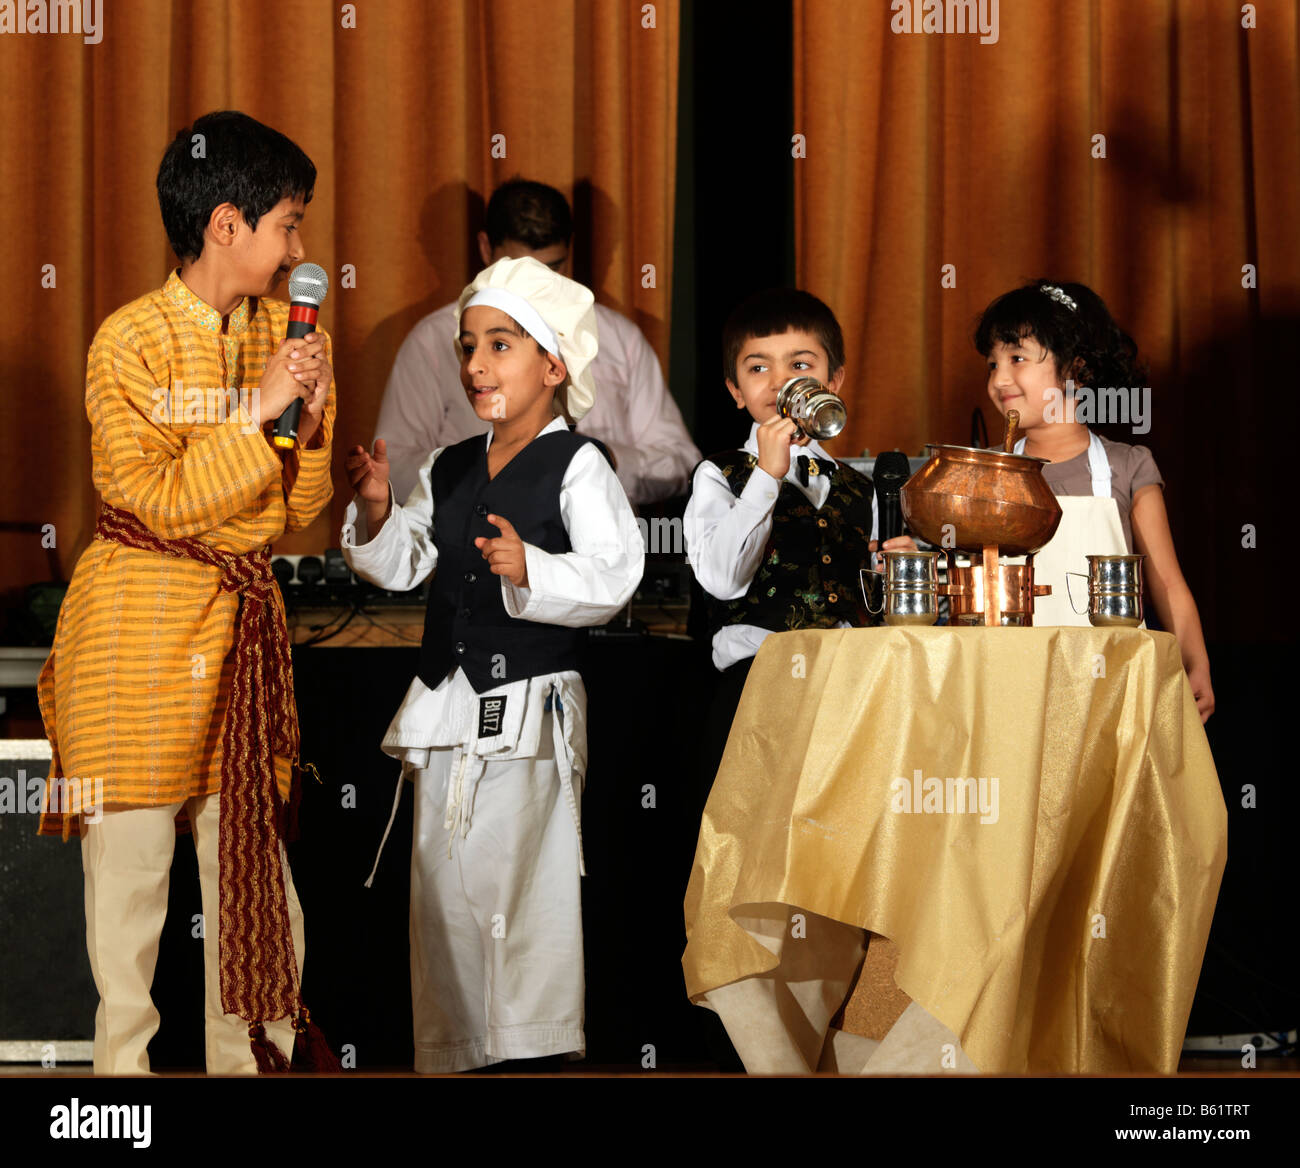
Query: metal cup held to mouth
1114,591
911,588
817,412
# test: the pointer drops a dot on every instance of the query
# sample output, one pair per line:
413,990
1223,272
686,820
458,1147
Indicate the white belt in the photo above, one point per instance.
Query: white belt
466,765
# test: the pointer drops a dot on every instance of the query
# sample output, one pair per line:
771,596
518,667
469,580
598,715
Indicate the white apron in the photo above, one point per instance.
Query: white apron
1090,526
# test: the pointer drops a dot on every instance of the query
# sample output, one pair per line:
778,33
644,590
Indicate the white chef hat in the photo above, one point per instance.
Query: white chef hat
559,313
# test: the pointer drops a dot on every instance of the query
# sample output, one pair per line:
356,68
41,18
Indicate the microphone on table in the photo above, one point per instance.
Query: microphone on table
891,471
308,285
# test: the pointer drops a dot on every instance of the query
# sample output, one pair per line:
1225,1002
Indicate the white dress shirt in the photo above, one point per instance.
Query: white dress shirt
726,534
425,406
586,586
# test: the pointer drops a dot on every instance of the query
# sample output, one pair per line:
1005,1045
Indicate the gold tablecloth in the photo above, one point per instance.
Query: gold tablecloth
1062,928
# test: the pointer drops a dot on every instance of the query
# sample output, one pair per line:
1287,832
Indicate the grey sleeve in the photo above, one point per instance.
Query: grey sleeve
1142,470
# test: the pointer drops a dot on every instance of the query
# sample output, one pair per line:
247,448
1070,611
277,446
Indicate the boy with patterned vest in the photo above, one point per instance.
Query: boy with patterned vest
776,541
529,537
168,693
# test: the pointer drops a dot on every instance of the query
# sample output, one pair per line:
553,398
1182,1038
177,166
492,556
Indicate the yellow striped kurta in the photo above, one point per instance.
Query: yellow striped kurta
135,689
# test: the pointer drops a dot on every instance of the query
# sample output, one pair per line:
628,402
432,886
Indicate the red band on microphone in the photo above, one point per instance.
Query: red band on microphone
306,313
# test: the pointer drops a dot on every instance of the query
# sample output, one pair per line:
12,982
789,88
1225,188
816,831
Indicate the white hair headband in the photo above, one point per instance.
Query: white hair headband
516,307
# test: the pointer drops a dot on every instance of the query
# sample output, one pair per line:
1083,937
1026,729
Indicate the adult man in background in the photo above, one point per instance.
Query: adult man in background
425,406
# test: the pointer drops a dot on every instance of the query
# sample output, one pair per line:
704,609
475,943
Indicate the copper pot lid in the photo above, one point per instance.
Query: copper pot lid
990,455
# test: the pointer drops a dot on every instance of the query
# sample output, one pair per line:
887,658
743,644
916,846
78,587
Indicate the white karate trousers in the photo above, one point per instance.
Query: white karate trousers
496,911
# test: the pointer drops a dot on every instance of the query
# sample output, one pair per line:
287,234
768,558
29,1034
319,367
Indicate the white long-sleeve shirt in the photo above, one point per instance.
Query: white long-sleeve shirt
585,586
726,534
425,406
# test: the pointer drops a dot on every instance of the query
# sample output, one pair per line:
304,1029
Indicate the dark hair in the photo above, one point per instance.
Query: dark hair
781,310
237,160
536,215
1087,334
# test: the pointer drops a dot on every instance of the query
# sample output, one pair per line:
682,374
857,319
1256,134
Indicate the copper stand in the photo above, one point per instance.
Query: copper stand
992,587
979,591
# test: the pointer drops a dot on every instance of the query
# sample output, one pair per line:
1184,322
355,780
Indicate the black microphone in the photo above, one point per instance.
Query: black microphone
891,471
308,285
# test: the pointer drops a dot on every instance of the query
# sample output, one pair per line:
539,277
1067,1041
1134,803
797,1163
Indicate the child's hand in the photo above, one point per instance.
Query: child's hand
369,474
1199,679
289,373
313,407
369,478
898,544
775,437
313,410
505,554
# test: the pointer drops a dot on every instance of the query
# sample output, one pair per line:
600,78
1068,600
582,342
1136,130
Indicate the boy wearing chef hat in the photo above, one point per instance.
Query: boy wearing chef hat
528,536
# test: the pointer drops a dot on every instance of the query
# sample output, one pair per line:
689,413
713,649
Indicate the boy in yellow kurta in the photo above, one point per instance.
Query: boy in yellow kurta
168,694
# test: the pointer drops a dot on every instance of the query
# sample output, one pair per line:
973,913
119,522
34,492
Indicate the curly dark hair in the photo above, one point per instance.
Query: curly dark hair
1085,341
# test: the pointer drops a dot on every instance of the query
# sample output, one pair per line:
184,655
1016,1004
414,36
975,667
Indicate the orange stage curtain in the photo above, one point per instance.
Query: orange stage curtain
399,113
929,150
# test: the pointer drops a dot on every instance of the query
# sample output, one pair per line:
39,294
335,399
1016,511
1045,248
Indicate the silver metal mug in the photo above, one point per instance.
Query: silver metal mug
1115,573
817,412
907,569
1114,591
911,582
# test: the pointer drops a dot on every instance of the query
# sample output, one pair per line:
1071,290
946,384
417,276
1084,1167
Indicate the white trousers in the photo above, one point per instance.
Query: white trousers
127,860
496,912
779,1021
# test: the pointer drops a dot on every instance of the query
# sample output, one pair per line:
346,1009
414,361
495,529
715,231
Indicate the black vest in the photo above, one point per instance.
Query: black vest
465,623
808,576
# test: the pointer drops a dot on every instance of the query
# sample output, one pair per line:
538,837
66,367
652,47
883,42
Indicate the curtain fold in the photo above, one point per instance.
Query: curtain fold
928,150
401,114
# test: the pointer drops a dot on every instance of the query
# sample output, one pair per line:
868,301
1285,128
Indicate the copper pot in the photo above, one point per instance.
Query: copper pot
971,499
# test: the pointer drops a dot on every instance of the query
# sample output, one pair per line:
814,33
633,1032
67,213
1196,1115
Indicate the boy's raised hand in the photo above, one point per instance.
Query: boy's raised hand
505,553
367,473
775,437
